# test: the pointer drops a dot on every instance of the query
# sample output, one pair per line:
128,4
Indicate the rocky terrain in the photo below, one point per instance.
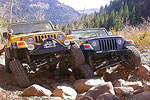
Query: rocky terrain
119,85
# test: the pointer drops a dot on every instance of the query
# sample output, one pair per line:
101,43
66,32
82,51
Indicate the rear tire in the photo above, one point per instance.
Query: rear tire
19,73
134,59
83,71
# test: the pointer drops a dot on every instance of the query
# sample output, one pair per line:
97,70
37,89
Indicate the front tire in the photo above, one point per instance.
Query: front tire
133,57
19,73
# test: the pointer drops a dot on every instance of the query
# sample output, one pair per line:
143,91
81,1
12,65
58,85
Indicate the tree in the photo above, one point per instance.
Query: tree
126,13
133,16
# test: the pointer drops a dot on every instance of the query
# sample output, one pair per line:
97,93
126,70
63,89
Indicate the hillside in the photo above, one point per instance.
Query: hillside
115,15
89,11
30,10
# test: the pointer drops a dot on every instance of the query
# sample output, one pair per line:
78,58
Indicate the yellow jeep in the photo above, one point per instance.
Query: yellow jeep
32,46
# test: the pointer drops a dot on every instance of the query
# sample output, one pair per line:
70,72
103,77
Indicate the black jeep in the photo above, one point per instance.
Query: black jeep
103,50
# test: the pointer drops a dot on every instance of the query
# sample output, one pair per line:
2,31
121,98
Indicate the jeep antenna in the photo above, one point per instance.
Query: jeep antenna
10,13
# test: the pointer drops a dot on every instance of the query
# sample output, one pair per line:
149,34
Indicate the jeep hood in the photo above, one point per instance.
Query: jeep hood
88,37
38,33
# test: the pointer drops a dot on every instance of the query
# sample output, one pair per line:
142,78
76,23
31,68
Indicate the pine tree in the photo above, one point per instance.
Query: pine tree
133,16
121,11
126,13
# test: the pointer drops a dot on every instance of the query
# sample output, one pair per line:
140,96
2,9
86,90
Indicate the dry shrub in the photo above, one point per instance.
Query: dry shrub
139,34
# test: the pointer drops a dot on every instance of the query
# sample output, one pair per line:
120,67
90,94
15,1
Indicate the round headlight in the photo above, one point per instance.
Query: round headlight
120,41
94,43
30,47
30,40
60,37
67,42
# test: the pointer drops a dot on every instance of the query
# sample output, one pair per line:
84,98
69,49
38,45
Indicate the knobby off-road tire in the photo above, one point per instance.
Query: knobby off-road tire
133,57
19,73
77,56
83,71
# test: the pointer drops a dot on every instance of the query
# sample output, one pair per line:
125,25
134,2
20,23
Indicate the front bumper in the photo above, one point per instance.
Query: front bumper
100,54
39,49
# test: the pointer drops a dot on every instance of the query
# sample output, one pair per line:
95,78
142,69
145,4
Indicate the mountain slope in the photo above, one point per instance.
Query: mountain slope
31,10
115,15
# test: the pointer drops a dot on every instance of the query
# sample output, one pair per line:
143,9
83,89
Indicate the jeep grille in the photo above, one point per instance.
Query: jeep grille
40,37
108,44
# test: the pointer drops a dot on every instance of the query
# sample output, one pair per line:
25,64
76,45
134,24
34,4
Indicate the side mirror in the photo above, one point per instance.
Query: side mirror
6,35
109,33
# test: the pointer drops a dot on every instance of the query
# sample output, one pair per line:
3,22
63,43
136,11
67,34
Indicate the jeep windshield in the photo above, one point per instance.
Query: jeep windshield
31,27
90,32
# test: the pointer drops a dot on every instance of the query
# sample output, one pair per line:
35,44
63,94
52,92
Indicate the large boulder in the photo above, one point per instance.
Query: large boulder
142,96
65,92
144,72
3,94
84,85
36,90
106,87
124,90
107,97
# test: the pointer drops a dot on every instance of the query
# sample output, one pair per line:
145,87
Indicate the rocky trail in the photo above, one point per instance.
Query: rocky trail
121,85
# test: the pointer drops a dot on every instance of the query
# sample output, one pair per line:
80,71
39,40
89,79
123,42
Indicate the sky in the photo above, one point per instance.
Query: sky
85,4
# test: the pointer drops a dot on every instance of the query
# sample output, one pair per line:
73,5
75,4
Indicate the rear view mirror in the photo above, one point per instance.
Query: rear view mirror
6,35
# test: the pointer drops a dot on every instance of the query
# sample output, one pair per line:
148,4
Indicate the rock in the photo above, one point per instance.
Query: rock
84,85
139,91
80,95
65,92
142,96
18,98
135,85
146,87
34,98
107,76
72,78
2,49
107,97
85,98
54,98
119,83
36,90
3,94
123,90
94,92
144,71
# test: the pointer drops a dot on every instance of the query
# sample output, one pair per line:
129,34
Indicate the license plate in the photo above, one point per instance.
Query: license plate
49,44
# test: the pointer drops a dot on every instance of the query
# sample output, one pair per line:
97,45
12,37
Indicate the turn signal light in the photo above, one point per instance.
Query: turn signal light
87,46
21,43
70,37
128,42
